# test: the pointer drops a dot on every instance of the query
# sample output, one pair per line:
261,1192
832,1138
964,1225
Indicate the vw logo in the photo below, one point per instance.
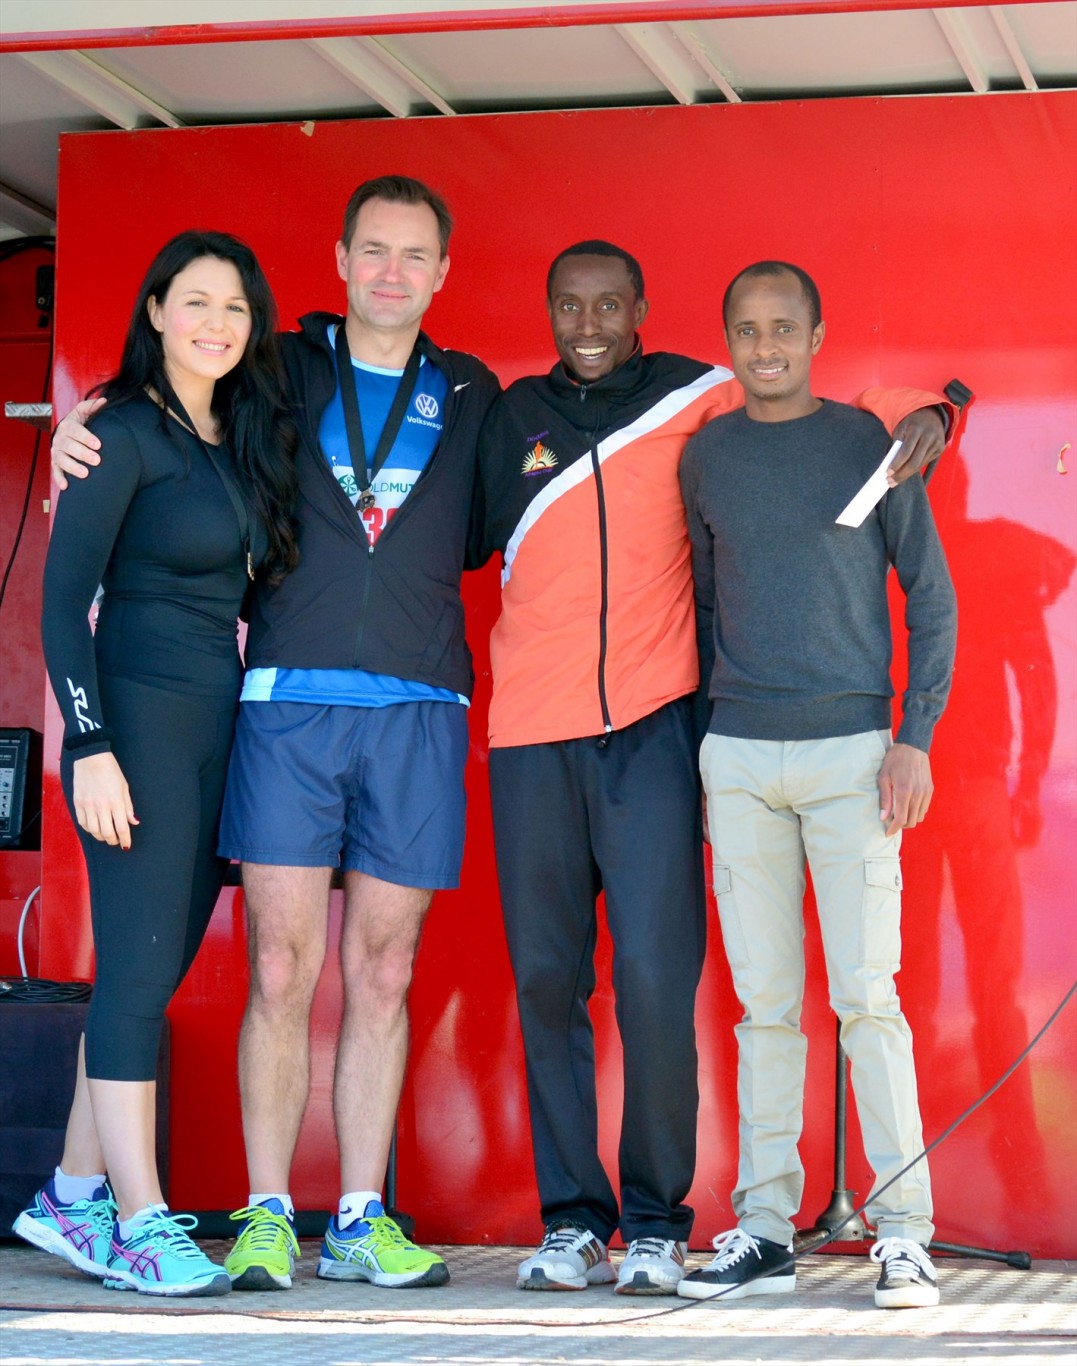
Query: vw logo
426,405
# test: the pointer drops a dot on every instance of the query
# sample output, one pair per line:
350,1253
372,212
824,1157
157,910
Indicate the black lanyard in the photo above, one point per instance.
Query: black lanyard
234,497
353,424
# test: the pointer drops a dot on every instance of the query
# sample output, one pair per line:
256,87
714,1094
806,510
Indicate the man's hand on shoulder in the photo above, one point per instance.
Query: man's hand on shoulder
923,436
905,788
74,446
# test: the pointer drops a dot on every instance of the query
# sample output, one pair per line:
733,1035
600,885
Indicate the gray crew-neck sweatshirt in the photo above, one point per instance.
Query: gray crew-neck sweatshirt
791,609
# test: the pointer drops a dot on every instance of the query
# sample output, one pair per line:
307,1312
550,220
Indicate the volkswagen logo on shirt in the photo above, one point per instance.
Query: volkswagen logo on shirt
427,405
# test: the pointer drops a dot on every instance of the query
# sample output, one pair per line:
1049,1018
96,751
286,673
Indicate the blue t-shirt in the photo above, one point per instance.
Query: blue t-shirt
415,443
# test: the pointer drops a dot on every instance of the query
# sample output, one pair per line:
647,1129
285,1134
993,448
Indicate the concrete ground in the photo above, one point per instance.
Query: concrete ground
49,1313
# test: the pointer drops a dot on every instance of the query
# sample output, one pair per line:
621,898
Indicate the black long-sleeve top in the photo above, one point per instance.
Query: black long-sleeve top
155,526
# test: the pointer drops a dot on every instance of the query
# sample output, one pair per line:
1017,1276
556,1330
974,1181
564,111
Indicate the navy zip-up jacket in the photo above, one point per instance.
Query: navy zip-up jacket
395,608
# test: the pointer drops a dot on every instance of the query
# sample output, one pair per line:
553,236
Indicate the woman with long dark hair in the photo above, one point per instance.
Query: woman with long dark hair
196,494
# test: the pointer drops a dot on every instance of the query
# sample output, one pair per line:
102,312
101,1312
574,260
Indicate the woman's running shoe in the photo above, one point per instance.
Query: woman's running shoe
160,1258
81,1232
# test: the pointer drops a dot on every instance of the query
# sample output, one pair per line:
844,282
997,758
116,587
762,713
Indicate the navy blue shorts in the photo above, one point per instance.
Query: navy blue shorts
377,790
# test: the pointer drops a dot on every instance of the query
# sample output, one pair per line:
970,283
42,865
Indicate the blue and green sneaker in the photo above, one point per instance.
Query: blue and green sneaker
160,1258
80,1232
264,1253
374,1249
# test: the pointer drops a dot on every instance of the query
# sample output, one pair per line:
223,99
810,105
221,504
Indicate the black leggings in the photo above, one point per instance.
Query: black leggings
150,905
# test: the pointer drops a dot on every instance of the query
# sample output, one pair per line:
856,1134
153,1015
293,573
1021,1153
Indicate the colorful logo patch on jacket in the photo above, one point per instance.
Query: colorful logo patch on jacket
539,459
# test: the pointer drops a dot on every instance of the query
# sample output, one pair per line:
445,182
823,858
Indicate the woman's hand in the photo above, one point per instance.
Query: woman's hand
103,800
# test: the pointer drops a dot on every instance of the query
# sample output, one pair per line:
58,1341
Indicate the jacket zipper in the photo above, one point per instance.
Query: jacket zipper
389,524
363,605
607,724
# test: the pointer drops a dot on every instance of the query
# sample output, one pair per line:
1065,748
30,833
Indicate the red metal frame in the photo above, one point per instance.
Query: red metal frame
454,21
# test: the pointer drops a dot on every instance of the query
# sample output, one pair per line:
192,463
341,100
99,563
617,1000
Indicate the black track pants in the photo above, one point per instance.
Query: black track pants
570,819
151,904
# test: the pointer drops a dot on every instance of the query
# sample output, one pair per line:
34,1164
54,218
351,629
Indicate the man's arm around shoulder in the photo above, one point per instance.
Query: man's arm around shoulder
917,418
74,446
914,547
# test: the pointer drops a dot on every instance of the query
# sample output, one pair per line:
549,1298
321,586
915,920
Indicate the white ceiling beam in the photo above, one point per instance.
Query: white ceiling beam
704,55
25,214
421,88
1013,47
365,69
654,46
954,32
99,89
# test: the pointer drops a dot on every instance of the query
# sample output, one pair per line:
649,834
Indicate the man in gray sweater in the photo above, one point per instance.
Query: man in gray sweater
794,633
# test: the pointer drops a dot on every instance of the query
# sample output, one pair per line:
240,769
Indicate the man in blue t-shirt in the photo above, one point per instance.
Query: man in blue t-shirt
352,734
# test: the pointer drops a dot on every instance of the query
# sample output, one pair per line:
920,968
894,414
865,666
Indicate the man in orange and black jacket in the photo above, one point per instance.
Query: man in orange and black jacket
594,746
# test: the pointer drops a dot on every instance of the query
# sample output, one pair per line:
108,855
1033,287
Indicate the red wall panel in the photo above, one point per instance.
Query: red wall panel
24,359
25,342
940,232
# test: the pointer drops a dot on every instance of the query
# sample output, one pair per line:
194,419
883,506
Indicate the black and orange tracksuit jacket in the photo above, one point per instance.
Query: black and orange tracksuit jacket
579,490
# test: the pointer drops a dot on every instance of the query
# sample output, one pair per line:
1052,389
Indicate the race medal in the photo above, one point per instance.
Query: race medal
353,425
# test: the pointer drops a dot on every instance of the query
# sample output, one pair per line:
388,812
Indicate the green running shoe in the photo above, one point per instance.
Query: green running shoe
265,1250
374,1249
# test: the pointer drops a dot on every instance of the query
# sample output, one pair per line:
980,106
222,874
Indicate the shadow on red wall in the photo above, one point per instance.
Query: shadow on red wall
972,927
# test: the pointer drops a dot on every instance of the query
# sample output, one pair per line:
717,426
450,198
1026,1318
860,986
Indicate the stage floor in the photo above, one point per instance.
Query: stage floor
50,1313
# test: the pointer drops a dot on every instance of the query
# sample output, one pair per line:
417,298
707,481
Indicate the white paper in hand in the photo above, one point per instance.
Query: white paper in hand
859,507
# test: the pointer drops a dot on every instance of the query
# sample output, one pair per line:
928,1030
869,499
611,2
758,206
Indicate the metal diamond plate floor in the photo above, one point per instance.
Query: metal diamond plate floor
989,1313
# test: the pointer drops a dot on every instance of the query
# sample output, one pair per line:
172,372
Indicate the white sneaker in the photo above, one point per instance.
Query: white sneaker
908,1276
569,1258
651,1266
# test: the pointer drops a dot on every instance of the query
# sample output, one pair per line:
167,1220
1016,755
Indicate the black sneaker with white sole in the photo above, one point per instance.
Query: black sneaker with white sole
743,1266
908,1275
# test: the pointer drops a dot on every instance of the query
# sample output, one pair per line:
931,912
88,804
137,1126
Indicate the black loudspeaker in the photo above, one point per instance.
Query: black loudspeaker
20,789
39,1046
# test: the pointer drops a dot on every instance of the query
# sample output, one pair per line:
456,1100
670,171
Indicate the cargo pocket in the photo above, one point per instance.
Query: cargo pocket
728,916
880,913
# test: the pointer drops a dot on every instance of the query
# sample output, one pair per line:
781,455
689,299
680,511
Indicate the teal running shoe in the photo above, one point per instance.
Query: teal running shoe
80,1233
373,1249
263,1255
160,1258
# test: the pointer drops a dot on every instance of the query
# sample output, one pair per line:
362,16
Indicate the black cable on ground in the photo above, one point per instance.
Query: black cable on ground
40,991
722,1292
